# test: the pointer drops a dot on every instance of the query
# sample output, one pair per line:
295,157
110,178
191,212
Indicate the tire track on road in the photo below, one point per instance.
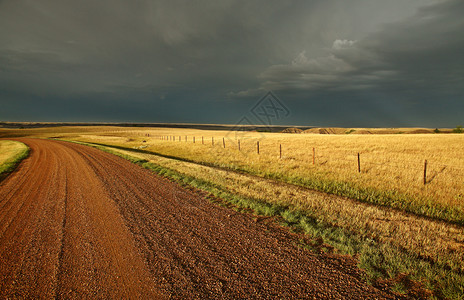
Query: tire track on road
66,239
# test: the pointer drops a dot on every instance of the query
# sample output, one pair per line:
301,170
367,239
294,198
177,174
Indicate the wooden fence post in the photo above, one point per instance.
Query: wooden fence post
202,140
238,145
425,172
194,140
314,156
212,140
280,148
224,143
257,146
359,164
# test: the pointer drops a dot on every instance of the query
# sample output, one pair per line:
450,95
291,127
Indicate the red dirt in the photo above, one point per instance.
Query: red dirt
76,222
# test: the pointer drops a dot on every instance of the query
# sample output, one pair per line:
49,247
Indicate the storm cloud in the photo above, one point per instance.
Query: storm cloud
333,63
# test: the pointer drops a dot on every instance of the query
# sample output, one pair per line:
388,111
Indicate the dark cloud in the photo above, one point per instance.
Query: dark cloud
422,52
382,62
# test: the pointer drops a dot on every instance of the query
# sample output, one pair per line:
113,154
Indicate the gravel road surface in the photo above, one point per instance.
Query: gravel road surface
76,222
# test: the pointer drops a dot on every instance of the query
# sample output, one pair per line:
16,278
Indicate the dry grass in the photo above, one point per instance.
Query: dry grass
427,237
391,164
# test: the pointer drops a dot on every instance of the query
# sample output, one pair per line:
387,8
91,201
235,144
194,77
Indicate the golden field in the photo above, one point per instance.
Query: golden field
392,163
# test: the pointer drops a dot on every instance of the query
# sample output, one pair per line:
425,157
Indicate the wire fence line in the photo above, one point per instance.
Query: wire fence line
362,161
426,169
195,139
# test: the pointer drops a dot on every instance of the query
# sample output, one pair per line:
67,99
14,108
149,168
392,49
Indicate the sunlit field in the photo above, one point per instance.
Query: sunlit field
423,173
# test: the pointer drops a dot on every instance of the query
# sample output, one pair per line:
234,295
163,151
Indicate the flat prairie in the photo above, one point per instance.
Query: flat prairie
394,201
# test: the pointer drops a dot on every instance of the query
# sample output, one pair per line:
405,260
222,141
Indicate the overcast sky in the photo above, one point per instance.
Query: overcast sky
366,63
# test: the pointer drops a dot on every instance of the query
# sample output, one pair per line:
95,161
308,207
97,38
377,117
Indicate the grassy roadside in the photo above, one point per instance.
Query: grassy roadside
11,154
402,266
416,204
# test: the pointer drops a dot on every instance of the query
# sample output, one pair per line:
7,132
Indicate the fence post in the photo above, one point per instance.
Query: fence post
202,140
238,145
314,156
425,172
280,148
194,140
223,142
257,146
212,140
359,164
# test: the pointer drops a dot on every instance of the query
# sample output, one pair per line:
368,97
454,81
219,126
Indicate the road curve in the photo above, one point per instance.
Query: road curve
76,222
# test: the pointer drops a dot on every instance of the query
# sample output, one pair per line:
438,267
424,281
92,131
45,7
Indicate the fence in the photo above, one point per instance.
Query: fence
428,171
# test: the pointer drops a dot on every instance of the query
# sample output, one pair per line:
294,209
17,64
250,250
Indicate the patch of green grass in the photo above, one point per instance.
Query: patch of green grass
379,260
10,164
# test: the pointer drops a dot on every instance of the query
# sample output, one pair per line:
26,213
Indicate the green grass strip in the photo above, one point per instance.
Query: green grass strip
10,164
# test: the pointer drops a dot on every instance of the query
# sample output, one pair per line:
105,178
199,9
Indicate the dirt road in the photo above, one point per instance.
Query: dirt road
76,222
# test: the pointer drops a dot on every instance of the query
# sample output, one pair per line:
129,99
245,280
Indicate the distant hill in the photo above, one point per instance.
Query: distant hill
237,127
292,130
338,130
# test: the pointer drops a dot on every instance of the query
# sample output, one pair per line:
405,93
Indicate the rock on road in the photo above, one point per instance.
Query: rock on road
76,222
